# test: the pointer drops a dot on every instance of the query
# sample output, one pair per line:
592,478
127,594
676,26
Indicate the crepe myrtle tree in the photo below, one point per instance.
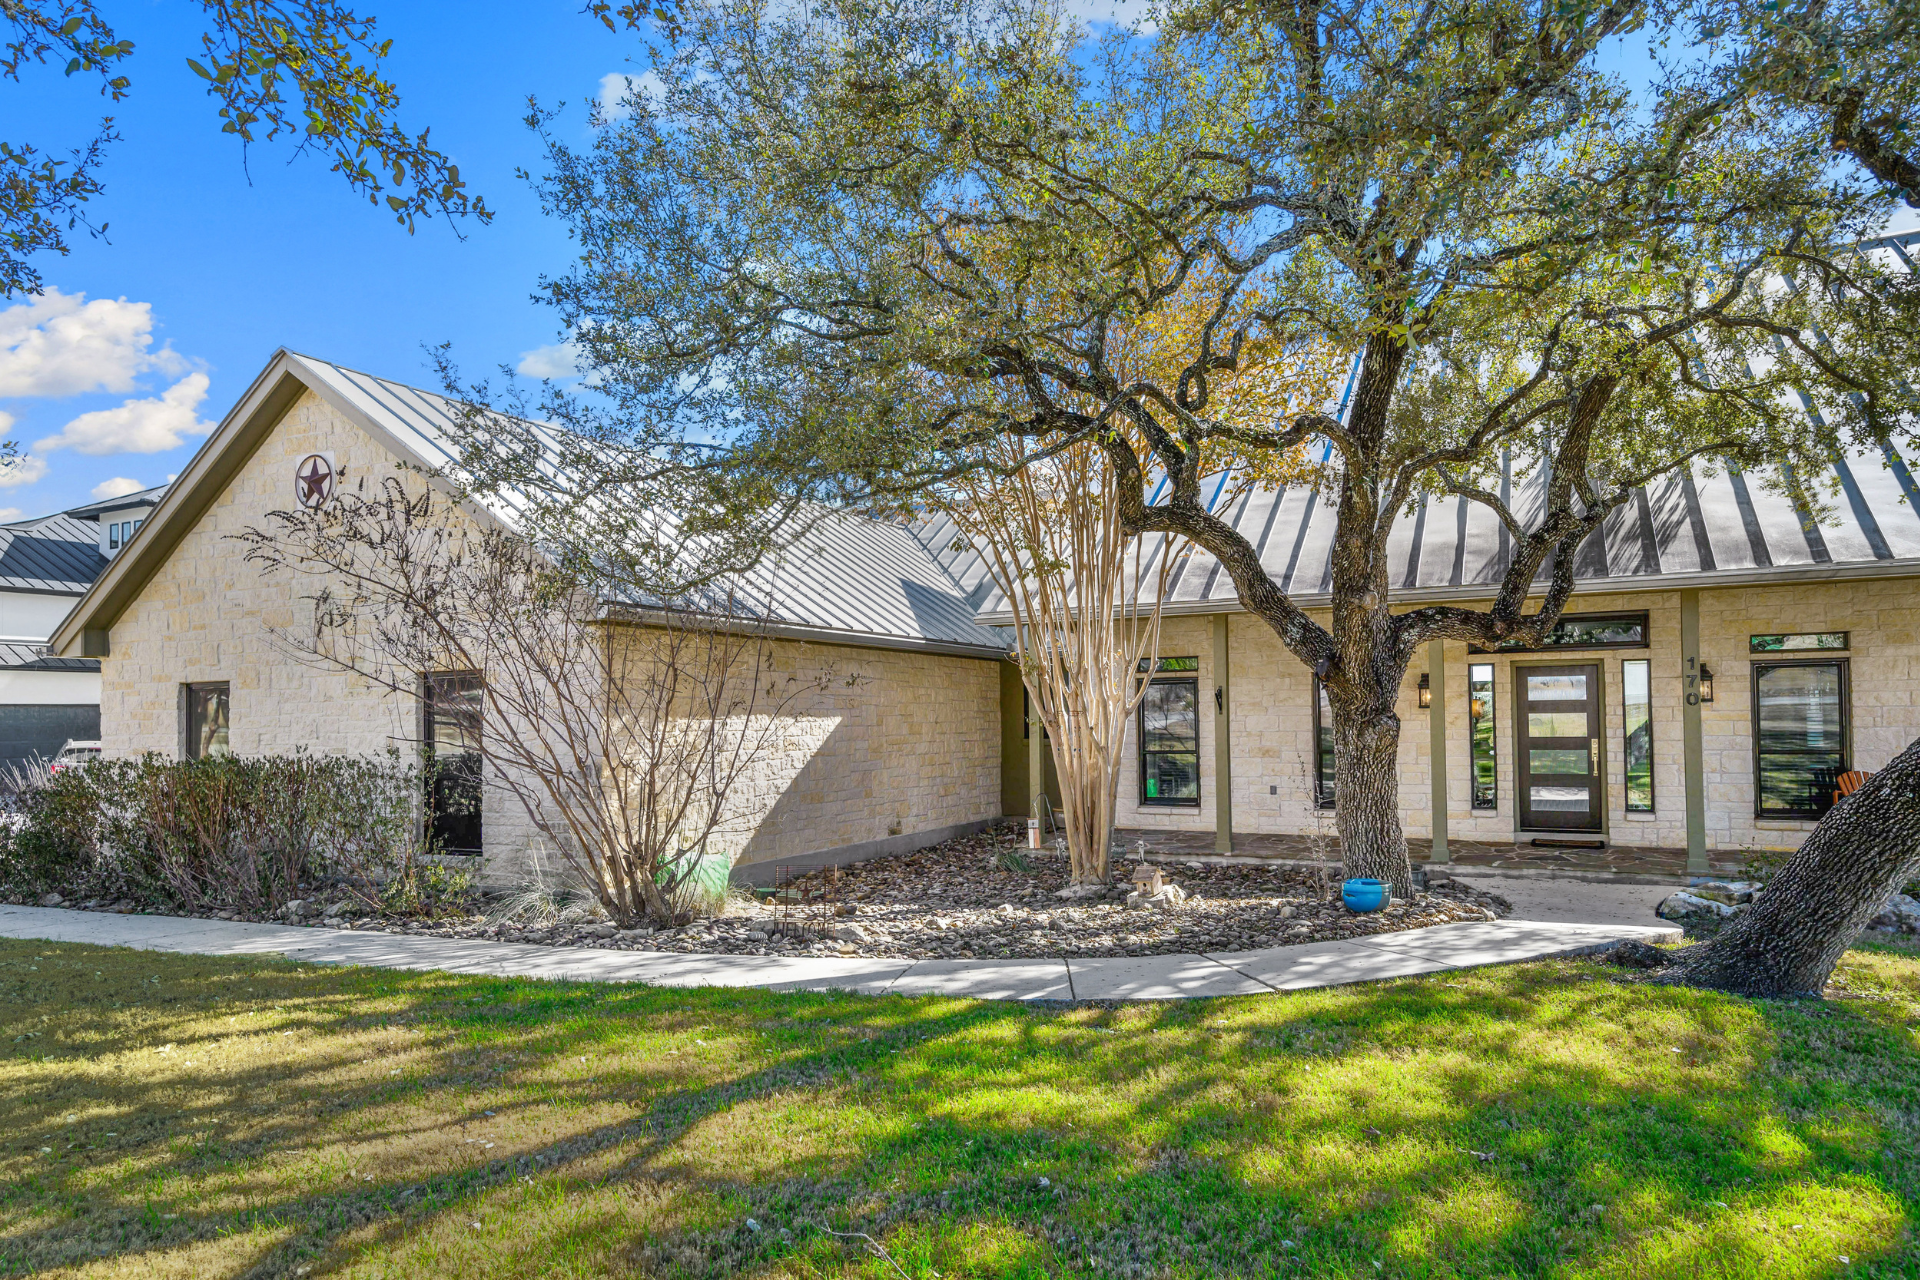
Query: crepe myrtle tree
852,241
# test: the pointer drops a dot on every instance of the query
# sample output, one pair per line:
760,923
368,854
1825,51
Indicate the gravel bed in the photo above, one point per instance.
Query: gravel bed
981,896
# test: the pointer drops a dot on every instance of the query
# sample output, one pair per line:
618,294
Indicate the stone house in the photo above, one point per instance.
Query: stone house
1707,607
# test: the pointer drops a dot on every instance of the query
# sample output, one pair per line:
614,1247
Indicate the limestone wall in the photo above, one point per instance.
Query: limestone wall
1272,716
899,742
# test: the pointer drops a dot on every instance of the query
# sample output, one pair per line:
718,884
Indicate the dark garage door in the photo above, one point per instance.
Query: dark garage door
26,732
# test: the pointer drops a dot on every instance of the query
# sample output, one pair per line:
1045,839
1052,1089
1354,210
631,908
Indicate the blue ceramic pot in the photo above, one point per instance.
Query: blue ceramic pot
1364,895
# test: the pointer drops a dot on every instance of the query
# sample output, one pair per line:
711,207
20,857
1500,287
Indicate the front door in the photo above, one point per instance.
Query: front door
1558,727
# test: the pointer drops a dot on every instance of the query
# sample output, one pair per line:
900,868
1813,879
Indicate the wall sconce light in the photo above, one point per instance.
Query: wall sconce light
1706,683
1426,689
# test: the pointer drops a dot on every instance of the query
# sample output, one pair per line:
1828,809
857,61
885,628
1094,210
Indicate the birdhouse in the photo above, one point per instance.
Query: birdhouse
1148,878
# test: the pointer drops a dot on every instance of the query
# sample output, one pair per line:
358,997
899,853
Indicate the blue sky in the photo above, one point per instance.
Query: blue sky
141,343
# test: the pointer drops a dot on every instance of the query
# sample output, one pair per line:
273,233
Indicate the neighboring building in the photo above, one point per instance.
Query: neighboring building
46,564
1706,607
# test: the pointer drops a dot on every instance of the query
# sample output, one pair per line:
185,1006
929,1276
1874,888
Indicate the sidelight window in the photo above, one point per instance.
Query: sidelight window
1322,748
1480,733
1636,683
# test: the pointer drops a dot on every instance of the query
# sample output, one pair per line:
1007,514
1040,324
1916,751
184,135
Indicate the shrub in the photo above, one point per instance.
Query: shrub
236,833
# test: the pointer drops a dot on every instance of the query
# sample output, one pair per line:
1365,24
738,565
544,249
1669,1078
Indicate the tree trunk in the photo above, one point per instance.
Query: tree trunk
1086,801
1366,751
1788,942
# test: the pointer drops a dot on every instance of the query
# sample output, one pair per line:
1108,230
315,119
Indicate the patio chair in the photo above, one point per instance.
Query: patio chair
1848,783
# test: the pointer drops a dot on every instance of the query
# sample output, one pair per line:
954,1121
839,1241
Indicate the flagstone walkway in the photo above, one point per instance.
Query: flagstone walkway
1311,964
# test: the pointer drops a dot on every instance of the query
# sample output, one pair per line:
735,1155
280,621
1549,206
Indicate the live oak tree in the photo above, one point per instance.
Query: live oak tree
1524,257
1864,849
308,70
1848,72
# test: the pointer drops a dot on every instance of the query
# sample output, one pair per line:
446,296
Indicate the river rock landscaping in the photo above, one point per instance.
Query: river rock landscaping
975,897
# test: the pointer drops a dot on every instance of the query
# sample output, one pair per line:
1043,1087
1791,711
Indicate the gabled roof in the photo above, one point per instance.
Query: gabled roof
28,657
847,580
141,498
1690,529
57,554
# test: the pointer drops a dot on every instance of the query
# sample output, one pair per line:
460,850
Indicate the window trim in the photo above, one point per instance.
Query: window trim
1641,616
1846,730
1626,735
1325,794
1140,728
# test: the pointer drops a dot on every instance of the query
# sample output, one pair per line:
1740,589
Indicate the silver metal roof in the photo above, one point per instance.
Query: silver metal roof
1689,529
845,578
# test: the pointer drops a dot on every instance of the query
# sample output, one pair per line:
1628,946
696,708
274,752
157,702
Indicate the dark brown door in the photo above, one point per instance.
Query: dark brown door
1558,728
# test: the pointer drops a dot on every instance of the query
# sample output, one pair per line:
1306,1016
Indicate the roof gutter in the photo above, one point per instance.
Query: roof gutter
1852,572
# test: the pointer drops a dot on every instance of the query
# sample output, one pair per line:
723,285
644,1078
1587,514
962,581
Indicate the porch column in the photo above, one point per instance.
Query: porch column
1693,741
1222,742
1437,749
1036,763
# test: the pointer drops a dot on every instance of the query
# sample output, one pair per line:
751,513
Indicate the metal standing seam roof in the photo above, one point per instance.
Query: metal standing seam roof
845,577
56,554
1689,528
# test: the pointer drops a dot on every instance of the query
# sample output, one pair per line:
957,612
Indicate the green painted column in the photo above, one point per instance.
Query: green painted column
1437,749
1693,737
1222,741
1036,763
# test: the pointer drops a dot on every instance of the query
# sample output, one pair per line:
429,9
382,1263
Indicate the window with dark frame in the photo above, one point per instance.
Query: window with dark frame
1170,736
1026,717
1800,722
1797,642
1322,748
453,706
1485,753
207,719
1636,684
1587,631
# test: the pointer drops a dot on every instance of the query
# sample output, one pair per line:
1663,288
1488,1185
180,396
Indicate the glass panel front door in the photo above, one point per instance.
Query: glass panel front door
1557,714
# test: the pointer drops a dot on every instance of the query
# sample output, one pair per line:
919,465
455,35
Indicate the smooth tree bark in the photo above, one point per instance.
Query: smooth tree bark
1859,855
1087,600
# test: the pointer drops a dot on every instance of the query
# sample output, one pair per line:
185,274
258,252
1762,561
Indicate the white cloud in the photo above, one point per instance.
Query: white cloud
59,344
618,87
555,360
9,514
118,487
148,425
25,469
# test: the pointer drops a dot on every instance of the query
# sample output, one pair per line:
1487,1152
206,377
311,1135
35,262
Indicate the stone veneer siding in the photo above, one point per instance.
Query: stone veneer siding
903,742
1272,716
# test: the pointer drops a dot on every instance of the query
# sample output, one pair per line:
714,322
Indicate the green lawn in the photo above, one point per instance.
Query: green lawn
176,1116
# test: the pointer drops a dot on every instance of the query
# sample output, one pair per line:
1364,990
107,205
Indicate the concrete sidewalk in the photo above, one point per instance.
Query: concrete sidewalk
1292,968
